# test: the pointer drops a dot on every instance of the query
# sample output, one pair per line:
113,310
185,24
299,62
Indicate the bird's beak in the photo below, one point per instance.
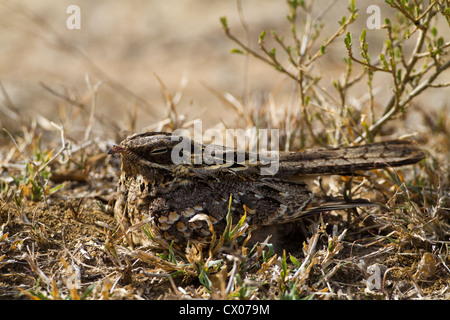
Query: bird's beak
116,149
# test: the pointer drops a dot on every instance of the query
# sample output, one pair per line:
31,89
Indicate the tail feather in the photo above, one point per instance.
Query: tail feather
348,160
321,205
337,205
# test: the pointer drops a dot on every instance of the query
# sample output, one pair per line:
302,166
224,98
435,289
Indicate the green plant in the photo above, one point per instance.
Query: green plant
341,122
34,181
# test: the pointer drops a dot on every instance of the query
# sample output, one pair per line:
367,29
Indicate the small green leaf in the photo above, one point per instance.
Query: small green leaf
434,31
336,84
172,254
307,98
204,280
223,21
294,4
348,40
88,291
162,256
362,37
266,255
56,188
147,232
383,60
294,260
407,34
389,44
237,51
352,6
262,36
397,52
273,52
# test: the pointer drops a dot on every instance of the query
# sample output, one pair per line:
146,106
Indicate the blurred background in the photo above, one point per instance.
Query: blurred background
107,72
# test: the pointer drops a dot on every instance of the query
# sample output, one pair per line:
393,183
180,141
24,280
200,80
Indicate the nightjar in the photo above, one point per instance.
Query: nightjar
158,190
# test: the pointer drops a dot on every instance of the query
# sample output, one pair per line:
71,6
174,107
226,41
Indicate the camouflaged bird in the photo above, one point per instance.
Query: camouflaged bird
167,195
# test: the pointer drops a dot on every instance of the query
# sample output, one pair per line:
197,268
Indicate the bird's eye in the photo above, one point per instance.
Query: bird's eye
159,151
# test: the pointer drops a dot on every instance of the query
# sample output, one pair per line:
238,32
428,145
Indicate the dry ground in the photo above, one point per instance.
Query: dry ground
58,238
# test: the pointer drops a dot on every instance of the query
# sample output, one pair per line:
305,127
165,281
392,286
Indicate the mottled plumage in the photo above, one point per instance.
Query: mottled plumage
167,196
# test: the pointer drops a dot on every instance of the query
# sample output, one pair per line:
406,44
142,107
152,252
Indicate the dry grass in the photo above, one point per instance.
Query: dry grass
58,238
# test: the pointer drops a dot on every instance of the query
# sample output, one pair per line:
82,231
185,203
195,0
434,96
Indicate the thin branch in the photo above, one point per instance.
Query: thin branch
273,62
338,33
440,85
402,103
